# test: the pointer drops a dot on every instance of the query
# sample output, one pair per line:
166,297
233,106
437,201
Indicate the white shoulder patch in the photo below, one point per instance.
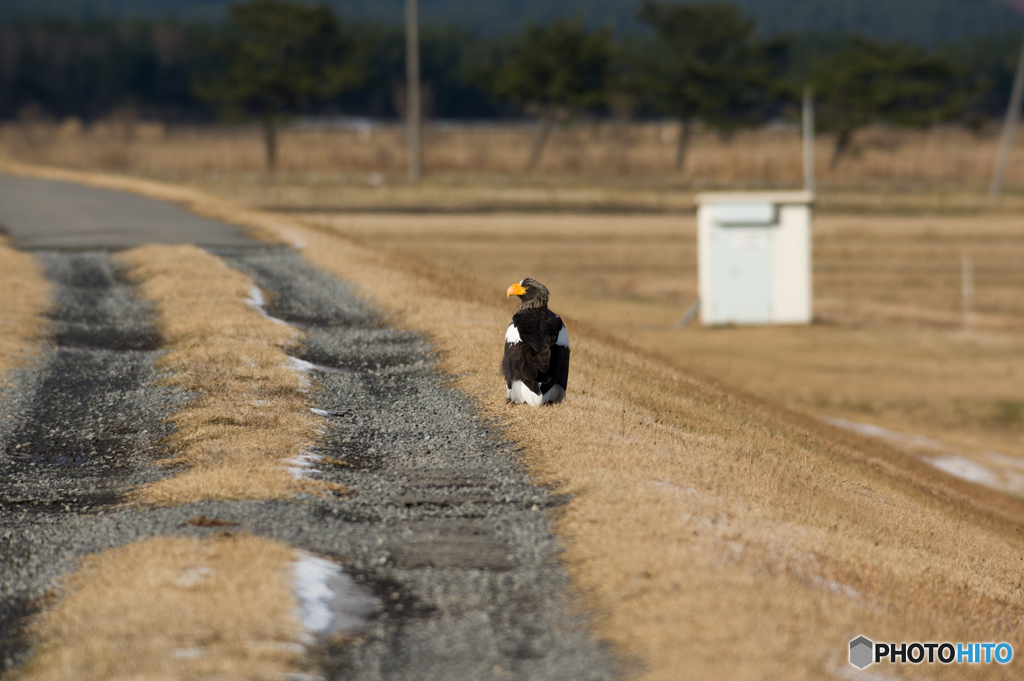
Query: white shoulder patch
512,335
563,338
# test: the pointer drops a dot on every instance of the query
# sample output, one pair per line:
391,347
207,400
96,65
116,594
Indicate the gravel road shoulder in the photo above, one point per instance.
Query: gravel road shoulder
78,433
441,523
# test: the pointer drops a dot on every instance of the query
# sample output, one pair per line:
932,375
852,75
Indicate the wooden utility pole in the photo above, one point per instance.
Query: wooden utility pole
808,137
1009,130
412,100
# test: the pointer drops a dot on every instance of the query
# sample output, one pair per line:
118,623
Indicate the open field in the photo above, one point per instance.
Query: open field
453,193
711,531
586,164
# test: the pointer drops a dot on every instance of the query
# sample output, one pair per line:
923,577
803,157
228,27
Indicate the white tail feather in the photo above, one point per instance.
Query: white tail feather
519,392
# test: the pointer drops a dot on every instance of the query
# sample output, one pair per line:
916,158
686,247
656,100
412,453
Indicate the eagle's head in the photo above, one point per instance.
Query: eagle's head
530,291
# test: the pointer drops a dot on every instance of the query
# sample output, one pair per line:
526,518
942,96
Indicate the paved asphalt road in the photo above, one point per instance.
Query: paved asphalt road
443,526
39,214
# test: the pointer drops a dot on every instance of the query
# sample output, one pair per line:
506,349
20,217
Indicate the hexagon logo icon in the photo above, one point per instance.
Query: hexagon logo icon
861,652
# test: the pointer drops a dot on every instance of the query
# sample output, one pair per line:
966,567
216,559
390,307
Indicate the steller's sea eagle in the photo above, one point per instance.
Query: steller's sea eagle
536,362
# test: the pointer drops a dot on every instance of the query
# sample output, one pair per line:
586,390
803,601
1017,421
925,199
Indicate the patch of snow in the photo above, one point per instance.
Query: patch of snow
835,587
330,602
188,653
966,469
1006,473
302,465
256,298
297,648
194,576
258,302
885,433
289,234
302,367
319,412
300,364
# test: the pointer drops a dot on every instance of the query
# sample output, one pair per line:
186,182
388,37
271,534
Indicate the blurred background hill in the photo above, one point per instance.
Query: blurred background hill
927,22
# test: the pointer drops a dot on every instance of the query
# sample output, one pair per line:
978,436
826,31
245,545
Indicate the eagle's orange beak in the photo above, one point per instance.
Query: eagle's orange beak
515,290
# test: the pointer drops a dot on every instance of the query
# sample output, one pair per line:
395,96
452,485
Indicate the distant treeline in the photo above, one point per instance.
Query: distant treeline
925,22
91,70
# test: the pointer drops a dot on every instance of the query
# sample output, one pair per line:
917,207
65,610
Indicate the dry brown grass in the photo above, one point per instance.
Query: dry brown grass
172,609
712,535
889,347
25,298
715,536
480,168
768,156
250,413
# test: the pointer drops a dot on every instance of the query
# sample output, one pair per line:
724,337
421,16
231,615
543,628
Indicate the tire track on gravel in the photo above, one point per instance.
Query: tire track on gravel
443,526
79,433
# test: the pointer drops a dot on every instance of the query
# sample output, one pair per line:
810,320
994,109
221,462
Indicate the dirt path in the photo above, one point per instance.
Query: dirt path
441,524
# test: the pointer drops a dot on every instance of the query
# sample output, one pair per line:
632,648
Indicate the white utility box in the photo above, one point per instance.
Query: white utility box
754,257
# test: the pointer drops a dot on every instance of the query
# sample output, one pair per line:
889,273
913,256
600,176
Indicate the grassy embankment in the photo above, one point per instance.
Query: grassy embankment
889,345
586,165
710,531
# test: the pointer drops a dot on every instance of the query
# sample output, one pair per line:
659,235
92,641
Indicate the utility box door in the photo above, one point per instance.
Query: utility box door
754,257
743,274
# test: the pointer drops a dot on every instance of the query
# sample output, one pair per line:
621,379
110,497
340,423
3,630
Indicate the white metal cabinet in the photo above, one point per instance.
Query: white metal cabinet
754,258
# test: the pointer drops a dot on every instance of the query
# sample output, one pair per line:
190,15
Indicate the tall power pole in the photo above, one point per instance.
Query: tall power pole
808,137
412,100
1009,130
